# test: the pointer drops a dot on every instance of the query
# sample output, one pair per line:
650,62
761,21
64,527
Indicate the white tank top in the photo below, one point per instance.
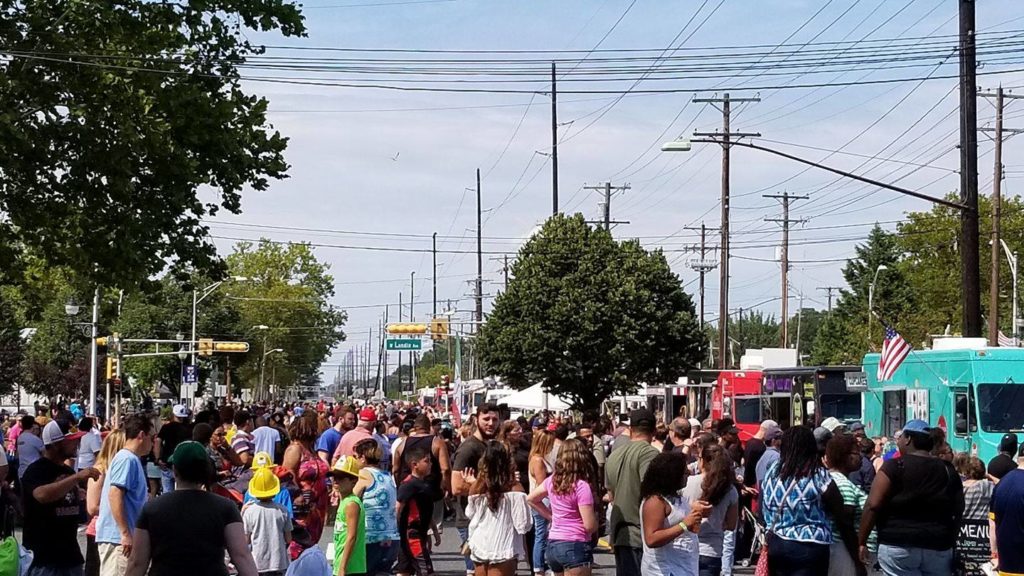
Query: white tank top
681,556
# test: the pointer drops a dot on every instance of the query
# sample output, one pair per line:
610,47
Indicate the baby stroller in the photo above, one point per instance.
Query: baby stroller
759,539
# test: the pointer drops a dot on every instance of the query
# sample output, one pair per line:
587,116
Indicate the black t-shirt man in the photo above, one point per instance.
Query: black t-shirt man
417,498
1001,465
170,435
467,457
751,455
186,532
51,530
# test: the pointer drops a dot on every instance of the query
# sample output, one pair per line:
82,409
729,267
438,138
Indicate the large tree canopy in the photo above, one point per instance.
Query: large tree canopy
590,316
113,117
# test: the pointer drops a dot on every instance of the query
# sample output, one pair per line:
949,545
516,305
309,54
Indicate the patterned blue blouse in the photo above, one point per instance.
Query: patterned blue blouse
802,516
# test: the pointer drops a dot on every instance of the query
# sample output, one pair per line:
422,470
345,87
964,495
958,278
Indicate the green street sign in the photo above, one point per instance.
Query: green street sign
404,344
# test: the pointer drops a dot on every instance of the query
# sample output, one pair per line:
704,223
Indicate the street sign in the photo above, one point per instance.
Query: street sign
191,374
404,344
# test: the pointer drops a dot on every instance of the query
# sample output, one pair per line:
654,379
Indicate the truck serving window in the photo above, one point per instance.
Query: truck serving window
748,410
845,407
1001,407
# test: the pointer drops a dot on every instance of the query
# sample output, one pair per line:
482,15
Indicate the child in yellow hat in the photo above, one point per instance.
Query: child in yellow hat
267,524
350,525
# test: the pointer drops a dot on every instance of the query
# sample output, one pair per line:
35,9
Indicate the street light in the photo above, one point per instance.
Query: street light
871,298
263,363
196,299
970,292
71,309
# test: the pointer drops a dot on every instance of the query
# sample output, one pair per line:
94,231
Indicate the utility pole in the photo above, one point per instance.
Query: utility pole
504,269
702,266
480,253
723,284
970,273
412,355
829,290
399,371
785,221
607,190
997,208
554,142
434,275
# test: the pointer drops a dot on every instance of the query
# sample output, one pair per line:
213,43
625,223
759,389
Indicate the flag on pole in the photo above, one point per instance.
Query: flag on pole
1005,341
456,401
894,351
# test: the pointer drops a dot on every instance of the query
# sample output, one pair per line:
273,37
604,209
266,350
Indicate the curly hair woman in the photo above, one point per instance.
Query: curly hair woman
714,484
669,522
566,500
498,515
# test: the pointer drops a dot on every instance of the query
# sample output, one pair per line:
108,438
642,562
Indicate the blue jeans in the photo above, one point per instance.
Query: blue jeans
166,480
728,552
464,535
540,542
564,555
709,566
903,561
380,558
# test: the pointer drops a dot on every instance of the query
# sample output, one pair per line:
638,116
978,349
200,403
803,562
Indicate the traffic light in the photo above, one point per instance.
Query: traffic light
205,347
237,347
111,367
408,328
101,341
439,328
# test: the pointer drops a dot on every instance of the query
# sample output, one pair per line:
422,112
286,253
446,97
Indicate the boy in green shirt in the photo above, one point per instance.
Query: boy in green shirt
350,525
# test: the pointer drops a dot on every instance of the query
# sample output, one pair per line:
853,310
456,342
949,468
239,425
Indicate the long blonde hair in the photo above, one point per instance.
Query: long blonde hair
112,444
543,443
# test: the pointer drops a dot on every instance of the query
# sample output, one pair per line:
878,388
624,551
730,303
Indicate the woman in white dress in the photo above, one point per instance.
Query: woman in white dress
669,522
498,514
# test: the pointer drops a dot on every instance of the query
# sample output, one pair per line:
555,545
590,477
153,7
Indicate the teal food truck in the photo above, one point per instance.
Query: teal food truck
962,386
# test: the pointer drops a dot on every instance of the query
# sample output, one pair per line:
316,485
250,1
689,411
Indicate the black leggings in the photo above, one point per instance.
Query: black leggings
92,557
792,558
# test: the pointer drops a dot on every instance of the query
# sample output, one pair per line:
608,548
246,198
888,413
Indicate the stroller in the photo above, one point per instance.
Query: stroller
759,538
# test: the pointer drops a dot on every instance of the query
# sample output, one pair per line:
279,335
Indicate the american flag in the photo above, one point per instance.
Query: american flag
1007,342
894,351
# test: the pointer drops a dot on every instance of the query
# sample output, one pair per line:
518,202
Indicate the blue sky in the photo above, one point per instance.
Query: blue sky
362,164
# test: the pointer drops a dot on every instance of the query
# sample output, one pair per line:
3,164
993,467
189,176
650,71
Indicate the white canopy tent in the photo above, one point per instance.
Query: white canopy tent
532,398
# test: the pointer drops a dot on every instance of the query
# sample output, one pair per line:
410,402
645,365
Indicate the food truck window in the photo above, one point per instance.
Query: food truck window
845,407
964,419
748,410
895,402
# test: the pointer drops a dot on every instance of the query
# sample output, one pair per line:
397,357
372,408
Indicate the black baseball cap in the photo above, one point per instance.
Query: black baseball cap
1008,443
642,418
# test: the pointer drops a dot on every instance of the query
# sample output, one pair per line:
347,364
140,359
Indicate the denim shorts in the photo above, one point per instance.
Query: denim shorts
563,555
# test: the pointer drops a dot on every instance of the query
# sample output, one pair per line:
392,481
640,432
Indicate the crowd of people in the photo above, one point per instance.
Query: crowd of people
255,490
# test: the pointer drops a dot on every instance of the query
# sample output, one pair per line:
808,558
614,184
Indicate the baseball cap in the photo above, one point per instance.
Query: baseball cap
1008,443
187,453
831,423
367,415
916,426
298,410
346,467
264,484
53,433
695,424
822,435
772,434
642,417
856,425
180,411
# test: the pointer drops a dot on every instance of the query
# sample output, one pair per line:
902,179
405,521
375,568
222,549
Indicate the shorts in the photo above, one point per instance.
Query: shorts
563,555
414,557
112,561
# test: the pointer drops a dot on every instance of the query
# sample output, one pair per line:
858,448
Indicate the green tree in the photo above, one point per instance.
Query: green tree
850,331
12,348
288,290
589,316
116,114
805,325
753,329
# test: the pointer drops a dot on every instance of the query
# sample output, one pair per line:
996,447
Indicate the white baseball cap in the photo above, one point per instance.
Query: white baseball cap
180,411
53,434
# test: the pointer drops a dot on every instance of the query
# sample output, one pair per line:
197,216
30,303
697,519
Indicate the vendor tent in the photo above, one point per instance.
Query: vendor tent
532,398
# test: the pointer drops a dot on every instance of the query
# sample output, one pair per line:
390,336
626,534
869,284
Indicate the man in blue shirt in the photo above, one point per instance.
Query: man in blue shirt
1007,511
124,494
344,420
